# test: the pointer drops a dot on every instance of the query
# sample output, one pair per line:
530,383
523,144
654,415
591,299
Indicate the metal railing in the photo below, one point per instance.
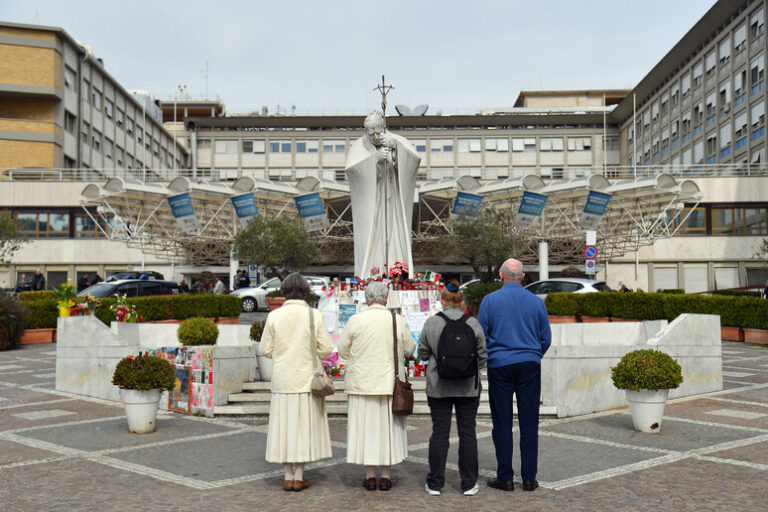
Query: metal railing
549,173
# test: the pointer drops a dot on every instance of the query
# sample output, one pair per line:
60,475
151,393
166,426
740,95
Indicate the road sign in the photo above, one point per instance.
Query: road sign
590,252
590,267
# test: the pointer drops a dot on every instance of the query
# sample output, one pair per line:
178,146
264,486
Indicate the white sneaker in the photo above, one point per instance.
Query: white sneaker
432,492
471,492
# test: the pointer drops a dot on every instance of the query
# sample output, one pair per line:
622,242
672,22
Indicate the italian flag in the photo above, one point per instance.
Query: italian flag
432,276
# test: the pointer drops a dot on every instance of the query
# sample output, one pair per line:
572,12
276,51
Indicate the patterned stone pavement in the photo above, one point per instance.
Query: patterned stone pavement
64,452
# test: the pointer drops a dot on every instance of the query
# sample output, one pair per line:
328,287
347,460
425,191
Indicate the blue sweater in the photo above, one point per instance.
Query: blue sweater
516,326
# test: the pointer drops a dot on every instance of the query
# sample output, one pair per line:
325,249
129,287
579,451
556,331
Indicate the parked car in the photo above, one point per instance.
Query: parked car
255,297
151,274
131,288
566,284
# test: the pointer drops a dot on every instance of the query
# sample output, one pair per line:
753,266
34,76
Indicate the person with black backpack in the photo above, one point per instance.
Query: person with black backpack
454,346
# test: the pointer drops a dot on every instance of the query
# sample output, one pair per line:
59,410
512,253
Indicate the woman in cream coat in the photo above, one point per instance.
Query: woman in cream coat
298,424
375,437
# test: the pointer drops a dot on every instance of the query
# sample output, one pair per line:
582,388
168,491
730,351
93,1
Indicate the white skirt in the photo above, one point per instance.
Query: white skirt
375,436
298,428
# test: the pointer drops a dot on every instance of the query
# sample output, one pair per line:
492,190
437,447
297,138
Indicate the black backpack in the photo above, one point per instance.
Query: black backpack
457,349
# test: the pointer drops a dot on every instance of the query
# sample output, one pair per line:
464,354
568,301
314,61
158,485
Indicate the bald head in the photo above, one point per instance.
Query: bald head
511,270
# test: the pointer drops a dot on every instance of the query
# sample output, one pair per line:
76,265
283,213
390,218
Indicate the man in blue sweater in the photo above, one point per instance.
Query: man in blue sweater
517,334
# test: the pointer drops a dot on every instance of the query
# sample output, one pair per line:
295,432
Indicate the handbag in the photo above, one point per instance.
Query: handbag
402,393
322,385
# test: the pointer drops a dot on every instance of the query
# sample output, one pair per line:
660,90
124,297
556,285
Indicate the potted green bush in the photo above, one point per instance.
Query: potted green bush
264,363
274,299
197,331
646,376
141,380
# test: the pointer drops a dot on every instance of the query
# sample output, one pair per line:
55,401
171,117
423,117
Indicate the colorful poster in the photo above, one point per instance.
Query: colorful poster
416,320
424,304
345,313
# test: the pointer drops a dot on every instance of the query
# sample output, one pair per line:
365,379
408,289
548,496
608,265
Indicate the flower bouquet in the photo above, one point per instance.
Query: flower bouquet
125,312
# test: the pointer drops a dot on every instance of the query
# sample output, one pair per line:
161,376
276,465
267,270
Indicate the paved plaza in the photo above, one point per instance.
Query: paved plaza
64,452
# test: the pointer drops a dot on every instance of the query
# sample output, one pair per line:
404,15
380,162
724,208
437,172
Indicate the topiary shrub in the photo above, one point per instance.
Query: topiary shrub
144,372
197,331
13,319
42,313
561,303
675,291
647,369
597,304
33,296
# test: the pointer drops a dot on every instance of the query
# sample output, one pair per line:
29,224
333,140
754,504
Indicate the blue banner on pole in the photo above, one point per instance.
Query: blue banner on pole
594,209
467,204
311,209
530,209
184,211
245,207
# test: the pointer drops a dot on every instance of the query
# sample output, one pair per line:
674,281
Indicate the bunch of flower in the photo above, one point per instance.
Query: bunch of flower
398,269
65,294
91,301
125,312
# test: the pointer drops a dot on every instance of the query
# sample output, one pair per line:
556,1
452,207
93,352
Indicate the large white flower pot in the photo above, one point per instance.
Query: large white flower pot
265,365
140,409
647,408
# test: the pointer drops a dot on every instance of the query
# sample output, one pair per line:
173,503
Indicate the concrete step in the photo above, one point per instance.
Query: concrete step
338,396
340,409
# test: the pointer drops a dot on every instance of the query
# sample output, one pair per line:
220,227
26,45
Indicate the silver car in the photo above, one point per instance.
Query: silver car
255,297
566,284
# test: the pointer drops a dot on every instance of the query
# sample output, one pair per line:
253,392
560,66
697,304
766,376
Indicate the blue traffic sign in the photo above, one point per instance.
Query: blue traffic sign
590,252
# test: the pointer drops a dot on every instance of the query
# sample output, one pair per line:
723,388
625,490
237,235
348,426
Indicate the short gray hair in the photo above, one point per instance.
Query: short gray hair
509,273
294,286
376,293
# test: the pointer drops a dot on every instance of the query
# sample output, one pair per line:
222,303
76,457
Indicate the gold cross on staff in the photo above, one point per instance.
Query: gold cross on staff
384,90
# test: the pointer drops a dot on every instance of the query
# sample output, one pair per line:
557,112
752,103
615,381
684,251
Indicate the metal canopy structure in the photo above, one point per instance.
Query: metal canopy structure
640,211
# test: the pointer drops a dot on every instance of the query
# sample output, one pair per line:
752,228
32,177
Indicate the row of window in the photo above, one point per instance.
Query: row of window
722,220
475,145
60,223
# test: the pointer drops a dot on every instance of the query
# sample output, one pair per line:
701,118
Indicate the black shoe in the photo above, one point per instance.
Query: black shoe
370,484
530,485
504,485
385,484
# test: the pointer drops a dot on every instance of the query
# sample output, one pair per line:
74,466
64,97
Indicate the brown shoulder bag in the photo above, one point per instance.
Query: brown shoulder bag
402,394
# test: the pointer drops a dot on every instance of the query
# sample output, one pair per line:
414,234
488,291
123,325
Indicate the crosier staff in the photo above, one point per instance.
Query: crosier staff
386,151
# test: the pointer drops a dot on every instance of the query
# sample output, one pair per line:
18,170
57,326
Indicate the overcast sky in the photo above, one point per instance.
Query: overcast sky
326,56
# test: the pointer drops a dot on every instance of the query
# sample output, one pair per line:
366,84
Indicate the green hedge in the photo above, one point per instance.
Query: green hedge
33,296
739,293
474,293
734,311
43,312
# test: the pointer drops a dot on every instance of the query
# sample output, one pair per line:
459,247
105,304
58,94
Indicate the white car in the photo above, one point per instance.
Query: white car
255,297
566,284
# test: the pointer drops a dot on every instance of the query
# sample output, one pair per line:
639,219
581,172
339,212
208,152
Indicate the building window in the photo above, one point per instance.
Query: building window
739,81
496,144
120,117
698,74
695,224
711,108
674,97
224,147
334,146
698,152
664,104
725,50
204,144
740,123
129,125
739,38
757,74
738,221
109,107
140,135
441,145
96,140
756,23
85,132
686,84
85,227
710,63
698,117
611,144
470,146
725,140
108,147
340,175
70,78
156,148
758,120
551,144
280,146
119,156
85,92
70,122
579,143
129,161
96,99
306,146
43,224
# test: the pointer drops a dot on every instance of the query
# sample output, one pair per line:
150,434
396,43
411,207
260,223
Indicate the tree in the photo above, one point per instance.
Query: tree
484,242
281,245
10,238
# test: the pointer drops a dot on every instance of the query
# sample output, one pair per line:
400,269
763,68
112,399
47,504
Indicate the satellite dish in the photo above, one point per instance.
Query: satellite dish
420,110
403,110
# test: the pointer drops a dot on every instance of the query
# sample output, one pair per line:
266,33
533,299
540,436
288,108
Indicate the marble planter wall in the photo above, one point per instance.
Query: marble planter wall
87,352
576,371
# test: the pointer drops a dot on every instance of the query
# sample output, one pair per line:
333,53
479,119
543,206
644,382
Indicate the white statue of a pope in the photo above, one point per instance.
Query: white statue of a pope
381,171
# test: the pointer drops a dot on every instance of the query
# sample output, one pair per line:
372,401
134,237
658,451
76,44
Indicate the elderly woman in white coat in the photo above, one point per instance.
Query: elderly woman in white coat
298,423
375,437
